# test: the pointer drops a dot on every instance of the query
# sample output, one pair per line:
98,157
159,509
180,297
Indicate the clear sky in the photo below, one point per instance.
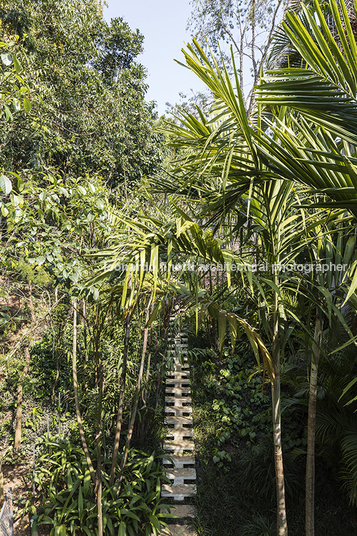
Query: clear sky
163,24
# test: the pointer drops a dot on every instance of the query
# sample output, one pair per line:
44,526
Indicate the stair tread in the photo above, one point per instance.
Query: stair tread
178,447
183,490
178,391
181,472
184,510
179,432
175,381
180,460
178,398
178,420
177,410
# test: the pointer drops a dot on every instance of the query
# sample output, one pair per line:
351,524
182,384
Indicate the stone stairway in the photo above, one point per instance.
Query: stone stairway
179,443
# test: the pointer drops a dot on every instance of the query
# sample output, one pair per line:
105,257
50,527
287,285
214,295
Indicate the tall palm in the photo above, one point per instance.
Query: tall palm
282,143
321,95
281,233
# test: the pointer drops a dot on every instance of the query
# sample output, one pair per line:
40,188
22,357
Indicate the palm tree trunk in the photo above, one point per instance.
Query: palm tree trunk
310,460
121,401
17,443
282,526
76,399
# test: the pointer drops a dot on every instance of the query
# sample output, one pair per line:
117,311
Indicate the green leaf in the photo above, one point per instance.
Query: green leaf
82,190
6,59
17,65
128,513
154,521
4,211
122,529
20,184
80,501
346,389
45,520
60,530
5,185
8,114
27,105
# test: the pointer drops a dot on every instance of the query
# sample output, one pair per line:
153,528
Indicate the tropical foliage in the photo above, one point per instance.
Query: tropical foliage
245,238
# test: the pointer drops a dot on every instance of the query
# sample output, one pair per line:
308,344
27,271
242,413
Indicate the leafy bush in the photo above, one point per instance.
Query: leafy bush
68,497
257,472
260,526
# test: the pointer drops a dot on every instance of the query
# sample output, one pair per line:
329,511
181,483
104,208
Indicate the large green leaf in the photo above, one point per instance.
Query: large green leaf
5,185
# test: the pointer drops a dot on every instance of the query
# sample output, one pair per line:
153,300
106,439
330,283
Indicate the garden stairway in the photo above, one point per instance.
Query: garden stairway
179,443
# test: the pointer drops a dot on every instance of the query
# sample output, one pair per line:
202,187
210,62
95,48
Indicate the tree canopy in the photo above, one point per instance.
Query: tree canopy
90,112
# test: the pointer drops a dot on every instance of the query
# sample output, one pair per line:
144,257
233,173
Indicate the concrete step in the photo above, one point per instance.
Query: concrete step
178,391
179,365
178,400
177,376
178,421
178,447
180,475
182,369
184,383
179,434
178,493
178,411
179,438
181,510
178,530
180,461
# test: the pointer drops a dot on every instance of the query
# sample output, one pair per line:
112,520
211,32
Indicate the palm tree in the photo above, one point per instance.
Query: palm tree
309,142
293,135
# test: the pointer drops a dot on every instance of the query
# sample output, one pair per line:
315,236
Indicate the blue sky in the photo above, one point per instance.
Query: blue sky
163,23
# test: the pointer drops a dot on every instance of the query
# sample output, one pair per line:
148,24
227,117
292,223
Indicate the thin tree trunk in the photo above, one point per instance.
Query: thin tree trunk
32,309
278,458
84,319
281,521
121,401
17,443
310,460
136,399
100,507
99,426
58,366
2,496
75,389
145,392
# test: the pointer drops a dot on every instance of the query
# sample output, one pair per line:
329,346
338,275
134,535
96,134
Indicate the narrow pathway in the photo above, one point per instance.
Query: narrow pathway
179,440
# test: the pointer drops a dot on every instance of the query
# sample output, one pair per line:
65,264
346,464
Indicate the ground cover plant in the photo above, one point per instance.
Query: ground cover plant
236,460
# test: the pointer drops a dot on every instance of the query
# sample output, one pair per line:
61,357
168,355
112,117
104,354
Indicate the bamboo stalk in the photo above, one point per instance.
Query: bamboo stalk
76,399
121,400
